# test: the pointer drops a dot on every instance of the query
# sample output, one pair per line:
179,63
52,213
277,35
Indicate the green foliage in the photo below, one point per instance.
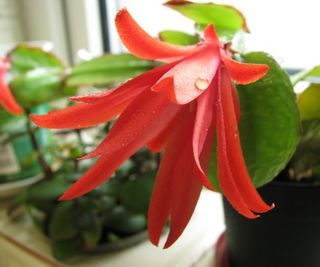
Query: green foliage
24,58
269,123
38,76
135,194
178,38
66,249
305,162
62,224
226,19
306,74
107,69
309,102
113,211
125,222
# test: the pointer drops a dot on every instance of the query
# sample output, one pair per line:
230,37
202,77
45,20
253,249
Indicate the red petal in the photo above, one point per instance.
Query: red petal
235,156
6,98
157,143
226,178
211,36
185,186
130,88
100,108
8,101
204,120
82,115
243,73
176,190
236,103
139,43
190,78
126,140
99,173
143,119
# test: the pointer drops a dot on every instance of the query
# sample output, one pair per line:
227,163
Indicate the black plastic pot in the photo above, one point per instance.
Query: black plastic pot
287,236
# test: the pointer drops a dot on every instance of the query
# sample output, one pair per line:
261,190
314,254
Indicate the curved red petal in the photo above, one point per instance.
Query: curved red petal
235,156
204,120
141,44
142,120
243,73
191,77
126,140
6,98
82,115
130,88
96,175
226,178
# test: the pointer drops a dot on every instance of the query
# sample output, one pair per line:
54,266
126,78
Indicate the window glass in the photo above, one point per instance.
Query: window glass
286,29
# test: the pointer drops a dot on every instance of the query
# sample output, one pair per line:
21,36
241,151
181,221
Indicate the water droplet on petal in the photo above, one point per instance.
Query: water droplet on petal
202,84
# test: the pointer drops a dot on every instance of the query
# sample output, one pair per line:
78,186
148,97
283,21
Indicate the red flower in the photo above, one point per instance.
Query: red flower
6,98
176,108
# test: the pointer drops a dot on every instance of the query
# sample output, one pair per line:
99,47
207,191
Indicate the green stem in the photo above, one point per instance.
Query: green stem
44,165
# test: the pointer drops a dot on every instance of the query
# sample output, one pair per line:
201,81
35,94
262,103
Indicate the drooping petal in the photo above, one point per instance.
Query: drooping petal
141,44
234,151
125,140
130,88
142,120
226,178
176,190
204,120
81,115
6,98
186,188
191,77
243,73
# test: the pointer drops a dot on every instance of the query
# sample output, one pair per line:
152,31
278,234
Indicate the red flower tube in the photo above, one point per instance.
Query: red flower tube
178,108
7,101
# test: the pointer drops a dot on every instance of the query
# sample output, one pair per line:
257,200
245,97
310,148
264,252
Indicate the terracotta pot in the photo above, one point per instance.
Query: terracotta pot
287,236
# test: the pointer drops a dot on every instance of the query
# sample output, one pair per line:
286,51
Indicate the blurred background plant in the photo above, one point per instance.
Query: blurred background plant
115,211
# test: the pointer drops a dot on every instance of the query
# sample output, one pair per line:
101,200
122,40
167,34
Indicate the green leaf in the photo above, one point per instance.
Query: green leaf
37,86
92,235
47,190
136,194
305,162
84,220
64,250
178,38
24,59
108,69
305,74
125,222
62,226
37,76
227,20
269,124
309,102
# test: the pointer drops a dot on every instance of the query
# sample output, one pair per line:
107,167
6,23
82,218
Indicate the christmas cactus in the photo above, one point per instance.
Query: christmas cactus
220,119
